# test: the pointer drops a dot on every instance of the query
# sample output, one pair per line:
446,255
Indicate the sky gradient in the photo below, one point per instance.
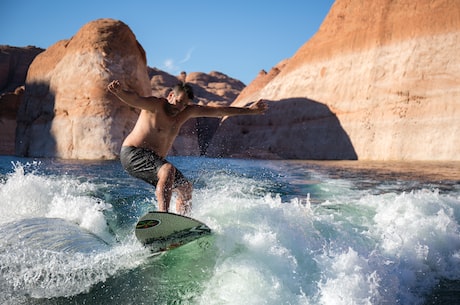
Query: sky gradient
238,38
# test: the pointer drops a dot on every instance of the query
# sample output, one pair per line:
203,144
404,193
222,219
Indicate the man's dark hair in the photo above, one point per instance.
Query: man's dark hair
185,87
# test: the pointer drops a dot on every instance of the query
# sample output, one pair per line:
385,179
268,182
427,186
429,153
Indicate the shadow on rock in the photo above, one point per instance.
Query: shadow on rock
295,128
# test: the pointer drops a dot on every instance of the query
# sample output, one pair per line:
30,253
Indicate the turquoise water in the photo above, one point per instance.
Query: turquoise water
284,232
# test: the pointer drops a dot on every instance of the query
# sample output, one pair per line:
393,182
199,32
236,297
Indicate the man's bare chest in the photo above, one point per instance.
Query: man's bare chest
164,123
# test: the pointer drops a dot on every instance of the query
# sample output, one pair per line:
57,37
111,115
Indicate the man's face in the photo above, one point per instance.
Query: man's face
178,100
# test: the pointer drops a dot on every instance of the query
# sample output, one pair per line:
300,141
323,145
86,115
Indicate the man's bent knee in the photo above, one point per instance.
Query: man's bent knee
166,172
184,199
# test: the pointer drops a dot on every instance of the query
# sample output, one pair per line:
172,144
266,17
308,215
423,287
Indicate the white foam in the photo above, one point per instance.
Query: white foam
31,270
27,194
356,249
255,260
45,274
348,279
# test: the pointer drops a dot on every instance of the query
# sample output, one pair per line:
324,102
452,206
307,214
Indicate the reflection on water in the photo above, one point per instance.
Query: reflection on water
397,174
404,170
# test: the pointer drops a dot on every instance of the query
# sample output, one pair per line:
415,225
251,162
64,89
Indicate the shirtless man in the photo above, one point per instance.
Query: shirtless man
144,150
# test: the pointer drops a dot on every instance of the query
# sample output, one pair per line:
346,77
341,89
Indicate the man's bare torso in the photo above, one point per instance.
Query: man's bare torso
156,130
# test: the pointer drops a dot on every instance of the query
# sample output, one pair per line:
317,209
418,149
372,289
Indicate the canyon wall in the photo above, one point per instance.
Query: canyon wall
385,76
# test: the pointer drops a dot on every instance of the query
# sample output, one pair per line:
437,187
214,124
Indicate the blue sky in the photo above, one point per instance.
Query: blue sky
238,38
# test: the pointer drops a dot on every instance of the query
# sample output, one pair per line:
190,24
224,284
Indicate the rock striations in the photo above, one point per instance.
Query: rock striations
380,82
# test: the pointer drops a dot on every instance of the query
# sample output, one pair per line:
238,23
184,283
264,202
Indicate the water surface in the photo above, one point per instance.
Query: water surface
284,232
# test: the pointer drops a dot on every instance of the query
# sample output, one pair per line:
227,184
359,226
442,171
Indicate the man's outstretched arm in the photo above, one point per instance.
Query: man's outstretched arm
132,98
258,107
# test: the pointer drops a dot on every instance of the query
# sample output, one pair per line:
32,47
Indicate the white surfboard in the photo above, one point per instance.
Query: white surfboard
162,231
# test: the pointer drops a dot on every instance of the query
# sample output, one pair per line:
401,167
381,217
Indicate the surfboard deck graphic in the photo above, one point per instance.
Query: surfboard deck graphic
162,231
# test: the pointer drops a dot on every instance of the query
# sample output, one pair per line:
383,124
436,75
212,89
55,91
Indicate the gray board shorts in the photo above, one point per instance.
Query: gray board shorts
144,164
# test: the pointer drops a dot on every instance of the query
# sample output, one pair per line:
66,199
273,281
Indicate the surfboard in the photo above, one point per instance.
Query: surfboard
162,231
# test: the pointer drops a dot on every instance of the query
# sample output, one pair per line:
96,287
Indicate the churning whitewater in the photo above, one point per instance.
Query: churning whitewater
284,232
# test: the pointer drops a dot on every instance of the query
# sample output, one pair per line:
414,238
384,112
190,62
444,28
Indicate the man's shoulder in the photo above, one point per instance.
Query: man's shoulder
154,105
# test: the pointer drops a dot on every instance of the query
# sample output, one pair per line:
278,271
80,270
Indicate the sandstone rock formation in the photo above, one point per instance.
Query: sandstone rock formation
380,82
9,105
215,88
14,63
67,111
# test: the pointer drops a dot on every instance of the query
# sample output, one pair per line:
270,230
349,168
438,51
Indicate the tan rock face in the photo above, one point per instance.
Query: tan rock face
385,77
67,111
42,111
9,105
14,63
305,130
215,87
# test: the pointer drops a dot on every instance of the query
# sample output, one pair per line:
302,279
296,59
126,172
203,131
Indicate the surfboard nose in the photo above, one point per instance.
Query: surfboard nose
161,231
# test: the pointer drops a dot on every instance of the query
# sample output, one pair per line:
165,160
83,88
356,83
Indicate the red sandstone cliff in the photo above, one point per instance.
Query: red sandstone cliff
380,80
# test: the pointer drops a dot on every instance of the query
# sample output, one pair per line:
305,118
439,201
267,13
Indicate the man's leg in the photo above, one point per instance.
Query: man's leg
164,186
184,198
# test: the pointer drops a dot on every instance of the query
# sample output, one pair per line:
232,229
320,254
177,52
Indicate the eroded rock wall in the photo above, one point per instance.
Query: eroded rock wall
388,72
67,111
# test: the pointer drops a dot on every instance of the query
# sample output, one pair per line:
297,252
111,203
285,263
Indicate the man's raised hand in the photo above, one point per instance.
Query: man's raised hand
114,86
259,107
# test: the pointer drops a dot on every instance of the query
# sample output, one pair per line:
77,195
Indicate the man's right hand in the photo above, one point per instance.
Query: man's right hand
259,107
114,86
